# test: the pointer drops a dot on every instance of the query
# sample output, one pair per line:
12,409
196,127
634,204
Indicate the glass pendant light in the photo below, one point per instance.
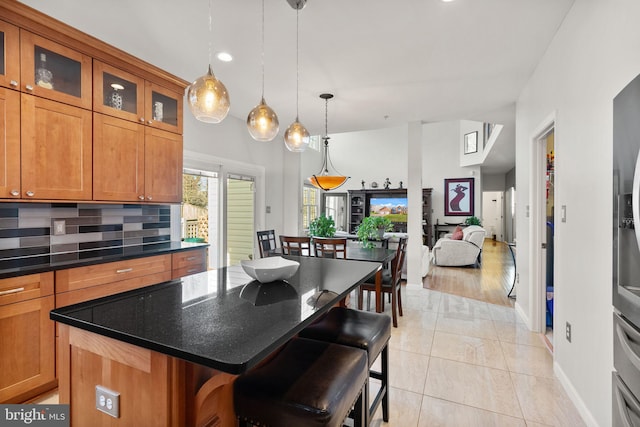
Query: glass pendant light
324,180
207,96
296,137
262,122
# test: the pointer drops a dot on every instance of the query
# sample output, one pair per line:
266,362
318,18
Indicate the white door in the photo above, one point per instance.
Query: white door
493,213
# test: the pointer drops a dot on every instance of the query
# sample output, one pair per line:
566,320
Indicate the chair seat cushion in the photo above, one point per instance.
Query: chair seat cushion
355,328
308,383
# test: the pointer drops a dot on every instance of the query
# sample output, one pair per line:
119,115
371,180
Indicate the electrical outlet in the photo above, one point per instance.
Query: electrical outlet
568,331
108,401
518,277
59,227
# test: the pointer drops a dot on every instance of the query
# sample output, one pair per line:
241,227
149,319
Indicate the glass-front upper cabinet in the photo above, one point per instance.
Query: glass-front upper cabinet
117,93
53,71
10,55
163,108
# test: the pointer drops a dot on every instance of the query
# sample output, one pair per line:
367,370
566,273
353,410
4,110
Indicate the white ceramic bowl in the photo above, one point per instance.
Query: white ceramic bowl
270,269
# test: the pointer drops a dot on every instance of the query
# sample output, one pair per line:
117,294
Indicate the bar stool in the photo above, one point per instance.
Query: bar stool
308,383
365,330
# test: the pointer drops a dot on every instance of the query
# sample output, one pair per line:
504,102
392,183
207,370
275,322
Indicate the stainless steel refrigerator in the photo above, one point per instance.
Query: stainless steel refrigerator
626,256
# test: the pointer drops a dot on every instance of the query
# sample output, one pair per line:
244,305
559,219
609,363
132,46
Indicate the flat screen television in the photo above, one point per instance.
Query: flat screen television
395,208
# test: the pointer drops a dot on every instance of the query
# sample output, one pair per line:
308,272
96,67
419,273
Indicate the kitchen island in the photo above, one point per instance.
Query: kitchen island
172,350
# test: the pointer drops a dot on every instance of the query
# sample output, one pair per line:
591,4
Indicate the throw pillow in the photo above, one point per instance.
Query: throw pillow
457,234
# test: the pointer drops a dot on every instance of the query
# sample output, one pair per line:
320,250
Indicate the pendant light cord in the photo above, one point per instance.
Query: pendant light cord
297,62
210,33
262,56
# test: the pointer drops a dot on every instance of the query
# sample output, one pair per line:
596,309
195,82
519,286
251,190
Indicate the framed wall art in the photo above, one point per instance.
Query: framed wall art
458,197
471,142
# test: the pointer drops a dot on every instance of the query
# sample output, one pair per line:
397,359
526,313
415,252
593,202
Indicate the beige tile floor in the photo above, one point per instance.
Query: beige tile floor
457,362
460,362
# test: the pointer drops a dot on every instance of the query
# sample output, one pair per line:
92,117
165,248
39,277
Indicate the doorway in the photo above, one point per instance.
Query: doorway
199,211
334,205
240,218
542,227
493,214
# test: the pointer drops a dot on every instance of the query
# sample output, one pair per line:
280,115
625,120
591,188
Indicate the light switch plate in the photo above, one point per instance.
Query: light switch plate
59,227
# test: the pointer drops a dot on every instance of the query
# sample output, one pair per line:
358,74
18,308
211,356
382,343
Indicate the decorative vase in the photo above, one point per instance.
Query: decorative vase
44,76
115,100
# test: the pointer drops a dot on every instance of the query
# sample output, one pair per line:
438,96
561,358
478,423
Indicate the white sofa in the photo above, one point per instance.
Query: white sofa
468,251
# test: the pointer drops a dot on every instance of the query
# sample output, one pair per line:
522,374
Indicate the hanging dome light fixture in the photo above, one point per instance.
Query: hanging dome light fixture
262,122
296,137
207,96
324,180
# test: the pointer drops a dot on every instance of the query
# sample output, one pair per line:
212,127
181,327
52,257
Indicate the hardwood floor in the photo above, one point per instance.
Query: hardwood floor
489,283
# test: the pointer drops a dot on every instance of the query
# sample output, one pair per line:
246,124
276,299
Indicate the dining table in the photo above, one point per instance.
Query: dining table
381,255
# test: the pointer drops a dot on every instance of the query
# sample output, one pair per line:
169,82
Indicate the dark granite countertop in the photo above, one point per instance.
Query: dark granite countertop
128,252
221,318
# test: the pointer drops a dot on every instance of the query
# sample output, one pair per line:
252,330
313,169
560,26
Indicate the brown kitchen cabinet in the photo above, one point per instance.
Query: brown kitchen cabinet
126,96
56,149
50,70
9,143
163,108
136,163
75,285
118,93
27,343
188,262
9,55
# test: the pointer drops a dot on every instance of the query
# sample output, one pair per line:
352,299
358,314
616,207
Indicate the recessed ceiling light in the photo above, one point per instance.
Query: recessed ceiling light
446,1
224,57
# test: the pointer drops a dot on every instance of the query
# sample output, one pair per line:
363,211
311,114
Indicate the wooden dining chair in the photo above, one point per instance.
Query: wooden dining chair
330,248
266,242
294,245
390,283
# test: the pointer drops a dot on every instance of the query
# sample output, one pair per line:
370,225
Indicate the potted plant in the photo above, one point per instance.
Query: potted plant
472,220
373,228
322,226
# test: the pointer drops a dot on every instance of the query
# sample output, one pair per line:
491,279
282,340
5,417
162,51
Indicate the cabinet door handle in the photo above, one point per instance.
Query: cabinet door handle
13,83
192,270
15,193
30,193
124,270
191,258
11,291
141,119
141,197
29,87
149,198
150,122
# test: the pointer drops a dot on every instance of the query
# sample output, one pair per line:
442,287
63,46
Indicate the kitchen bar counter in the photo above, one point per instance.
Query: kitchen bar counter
127,252
182,343
221,319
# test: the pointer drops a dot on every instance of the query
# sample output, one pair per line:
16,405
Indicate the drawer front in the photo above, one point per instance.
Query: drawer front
188,262
86,294
24,288
626,408
101,274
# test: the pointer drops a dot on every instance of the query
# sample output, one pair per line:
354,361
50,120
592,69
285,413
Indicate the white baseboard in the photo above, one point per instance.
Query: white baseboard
584,412
521,313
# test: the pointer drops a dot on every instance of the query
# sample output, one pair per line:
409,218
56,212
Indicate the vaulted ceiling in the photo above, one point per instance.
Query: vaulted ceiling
387,62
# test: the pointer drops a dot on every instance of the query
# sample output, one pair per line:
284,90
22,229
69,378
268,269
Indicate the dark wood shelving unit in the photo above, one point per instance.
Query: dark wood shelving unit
359,208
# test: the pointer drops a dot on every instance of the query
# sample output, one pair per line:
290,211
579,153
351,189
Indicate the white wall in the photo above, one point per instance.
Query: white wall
229,143
440,160
593,56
